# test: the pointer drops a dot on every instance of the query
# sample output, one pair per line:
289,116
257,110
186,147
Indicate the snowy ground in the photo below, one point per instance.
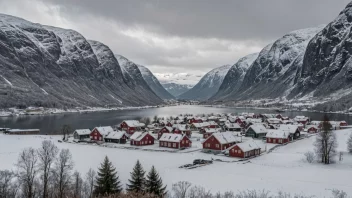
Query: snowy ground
283,169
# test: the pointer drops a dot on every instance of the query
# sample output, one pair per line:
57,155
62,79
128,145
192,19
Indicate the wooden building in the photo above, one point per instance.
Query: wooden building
141,139
81,134
119,137
176,141
244,150
22,131
98,133
218,142
256,131
163,130
277,137
130,126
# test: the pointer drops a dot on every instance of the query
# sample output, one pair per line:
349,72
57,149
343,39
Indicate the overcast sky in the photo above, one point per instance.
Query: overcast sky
179,36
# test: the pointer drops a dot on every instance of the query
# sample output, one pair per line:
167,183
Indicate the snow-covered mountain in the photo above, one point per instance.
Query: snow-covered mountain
327,66
208,85
179,78
176,89
273,72
234,77
154,83
54,67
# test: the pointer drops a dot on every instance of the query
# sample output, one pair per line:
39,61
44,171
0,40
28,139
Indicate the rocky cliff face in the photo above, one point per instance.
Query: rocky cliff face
176,89
208,85
327,66
234,78
154,83
53,67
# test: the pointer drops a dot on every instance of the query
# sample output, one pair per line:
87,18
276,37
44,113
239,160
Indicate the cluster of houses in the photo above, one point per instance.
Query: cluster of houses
221,133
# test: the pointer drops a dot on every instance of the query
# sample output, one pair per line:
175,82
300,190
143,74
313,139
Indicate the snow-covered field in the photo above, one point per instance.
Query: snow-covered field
283,169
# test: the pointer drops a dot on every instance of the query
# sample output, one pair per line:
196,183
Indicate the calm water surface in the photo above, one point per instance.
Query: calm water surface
50,124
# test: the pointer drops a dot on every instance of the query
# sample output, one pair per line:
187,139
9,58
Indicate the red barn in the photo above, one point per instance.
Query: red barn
218,142
141,139
277,137
176,141
130,126
99,133
169,124
163,130
244,150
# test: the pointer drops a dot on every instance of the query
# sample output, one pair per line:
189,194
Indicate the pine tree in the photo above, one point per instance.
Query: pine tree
107,181
137,181
154,184
349,144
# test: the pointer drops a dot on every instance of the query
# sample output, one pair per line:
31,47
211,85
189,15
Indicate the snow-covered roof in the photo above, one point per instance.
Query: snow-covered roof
312,126
116,135
170,129
104,130
247,146
212,130
169,137
134,123
230,125
301,118
288,128
254,120
258,128
225,137
82,131
137,136
181,127
277,134
274,120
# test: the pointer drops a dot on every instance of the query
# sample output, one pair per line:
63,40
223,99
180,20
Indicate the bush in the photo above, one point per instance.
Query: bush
309,156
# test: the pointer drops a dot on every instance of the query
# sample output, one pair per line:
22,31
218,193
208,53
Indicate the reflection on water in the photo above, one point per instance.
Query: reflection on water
50,124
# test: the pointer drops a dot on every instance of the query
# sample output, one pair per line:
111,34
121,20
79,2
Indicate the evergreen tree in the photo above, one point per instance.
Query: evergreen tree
137,181
107,181
349,144
154,184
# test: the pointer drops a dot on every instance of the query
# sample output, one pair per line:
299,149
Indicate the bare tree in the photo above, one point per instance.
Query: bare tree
90,181
8,187
27,171
349,144
310,156
78,185
46,155
326,143
65,130
62,172
180,189
199,192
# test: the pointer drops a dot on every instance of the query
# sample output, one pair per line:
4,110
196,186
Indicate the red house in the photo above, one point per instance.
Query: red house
343,123
176,141
218,142
130,126
244,150
208,132
163,130
182,129
99,133
277,137
195,120
169,124
313,129
141,139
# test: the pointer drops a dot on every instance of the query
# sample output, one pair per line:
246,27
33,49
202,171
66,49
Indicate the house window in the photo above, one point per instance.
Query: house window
235,151
217,146
169,145
150,142
239,151
186,141
161,143
274,140
147,137
175,145
183,142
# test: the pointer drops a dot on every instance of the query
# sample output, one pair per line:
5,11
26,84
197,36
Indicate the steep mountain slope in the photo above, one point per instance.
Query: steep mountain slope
135,79
154,83
327,65
208,85
234,77
176,89
272,74
53,67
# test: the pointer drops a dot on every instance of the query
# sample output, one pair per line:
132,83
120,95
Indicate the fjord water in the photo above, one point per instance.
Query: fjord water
51,124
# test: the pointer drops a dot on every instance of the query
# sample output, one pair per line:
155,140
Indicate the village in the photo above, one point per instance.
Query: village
234,136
